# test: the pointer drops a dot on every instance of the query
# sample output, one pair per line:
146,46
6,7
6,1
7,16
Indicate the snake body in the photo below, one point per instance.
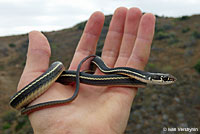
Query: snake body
119,76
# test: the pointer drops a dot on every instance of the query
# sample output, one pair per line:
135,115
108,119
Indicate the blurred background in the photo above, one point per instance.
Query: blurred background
175,50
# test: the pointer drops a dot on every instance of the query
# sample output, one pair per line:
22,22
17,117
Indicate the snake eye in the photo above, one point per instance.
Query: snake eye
165,78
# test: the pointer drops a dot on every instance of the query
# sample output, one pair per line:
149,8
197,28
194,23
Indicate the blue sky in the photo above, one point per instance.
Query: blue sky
22,16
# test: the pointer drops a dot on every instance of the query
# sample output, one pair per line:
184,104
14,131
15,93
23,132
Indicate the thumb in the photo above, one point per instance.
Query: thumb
37,60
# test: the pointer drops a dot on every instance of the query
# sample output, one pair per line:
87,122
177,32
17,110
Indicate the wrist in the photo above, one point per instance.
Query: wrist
74,129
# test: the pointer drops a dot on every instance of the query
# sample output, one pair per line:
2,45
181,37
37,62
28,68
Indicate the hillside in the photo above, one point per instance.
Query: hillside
175,49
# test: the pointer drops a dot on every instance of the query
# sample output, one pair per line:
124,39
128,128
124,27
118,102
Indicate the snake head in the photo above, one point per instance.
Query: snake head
161,78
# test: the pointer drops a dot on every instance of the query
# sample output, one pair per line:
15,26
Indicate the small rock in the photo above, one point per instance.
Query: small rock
180,116
154,97
165,117
138,126
183,125
177,99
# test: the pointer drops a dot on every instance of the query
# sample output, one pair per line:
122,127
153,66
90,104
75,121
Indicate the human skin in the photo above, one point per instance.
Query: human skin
96,110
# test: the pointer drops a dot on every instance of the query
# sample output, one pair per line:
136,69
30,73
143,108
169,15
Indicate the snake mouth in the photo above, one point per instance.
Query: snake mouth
172,78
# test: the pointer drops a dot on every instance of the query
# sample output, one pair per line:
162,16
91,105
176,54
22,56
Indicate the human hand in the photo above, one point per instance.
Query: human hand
96,109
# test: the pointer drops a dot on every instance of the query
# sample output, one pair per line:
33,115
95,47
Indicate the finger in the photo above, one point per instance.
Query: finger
114,37
138,57
88,41
141,50
130,33
37,58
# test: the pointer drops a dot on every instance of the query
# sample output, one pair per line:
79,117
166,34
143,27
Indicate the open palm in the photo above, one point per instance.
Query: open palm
96,109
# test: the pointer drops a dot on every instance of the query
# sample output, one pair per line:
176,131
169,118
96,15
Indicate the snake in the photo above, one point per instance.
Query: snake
118,76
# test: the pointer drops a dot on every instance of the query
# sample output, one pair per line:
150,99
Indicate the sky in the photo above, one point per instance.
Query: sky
23,16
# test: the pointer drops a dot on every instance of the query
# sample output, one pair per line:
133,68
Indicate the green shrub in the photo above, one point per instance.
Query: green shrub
167,68
23,63
183,18
53,46
158,29
107,21
157,16
81,26
151,66
185,30
190,43
197,67
9,117
172,38
2,67
12,45
20,124
6,125
161,35
99,47
167,26
163,28
196,34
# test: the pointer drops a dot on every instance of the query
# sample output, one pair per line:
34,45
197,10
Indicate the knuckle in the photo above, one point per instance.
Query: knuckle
140,59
